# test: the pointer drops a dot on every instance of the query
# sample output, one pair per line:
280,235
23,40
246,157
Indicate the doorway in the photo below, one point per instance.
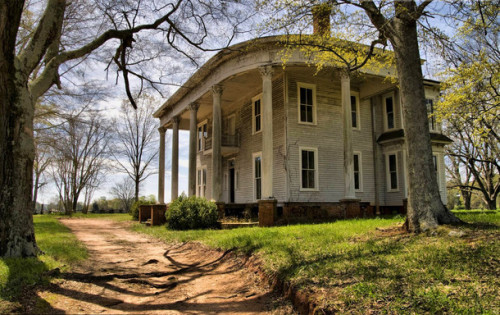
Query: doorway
232,186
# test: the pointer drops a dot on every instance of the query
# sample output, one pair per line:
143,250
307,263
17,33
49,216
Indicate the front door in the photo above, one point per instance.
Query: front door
231,185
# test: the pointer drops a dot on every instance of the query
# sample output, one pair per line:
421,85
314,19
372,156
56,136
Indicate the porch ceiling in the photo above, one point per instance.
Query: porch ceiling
237,90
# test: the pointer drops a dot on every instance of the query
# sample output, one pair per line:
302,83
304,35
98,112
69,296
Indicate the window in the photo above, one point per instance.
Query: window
389,112
257,114
430,113
257,171
307,103
392,172
309,169
358,185
355,110
202,135
201,182
435,161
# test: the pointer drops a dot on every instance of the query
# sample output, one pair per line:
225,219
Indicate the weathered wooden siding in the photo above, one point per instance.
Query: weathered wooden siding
250,144
326,136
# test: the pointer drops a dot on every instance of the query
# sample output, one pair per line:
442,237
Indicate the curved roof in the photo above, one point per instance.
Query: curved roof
218,59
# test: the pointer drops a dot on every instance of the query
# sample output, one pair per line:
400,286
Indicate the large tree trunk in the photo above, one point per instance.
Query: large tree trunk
491,203
17,237
467,196
425,208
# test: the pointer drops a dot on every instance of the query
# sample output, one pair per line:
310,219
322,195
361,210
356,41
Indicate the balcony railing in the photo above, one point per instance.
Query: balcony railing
227,141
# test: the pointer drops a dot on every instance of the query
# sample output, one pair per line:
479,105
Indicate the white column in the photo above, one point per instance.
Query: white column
217,144
161,171
345,82
193,107
267,132
175,158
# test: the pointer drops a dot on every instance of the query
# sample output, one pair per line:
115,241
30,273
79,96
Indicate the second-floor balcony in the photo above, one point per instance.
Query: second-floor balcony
230,144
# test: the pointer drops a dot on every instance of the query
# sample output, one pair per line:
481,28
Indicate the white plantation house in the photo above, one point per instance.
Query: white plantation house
290,141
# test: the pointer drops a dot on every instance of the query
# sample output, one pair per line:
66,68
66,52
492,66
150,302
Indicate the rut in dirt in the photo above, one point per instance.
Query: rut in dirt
128,272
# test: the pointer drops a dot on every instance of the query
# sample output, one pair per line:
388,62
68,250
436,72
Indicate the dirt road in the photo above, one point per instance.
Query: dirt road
129,272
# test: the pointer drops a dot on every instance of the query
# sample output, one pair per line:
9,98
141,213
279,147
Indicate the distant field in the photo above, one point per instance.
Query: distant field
352,266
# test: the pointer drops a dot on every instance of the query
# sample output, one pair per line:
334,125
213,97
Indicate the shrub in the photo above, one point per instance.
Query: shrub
186,213
134,210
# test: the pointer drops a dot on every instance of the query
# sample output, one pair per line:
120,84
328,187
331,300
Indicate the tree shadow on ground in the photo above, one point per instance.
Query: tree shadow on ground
19,292
158,286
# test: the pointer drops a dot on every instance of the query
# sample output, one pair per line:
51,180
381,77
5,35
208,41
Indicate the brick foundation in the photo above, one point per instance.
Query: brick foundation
294,212
268,212
158,214
221,209
154,212
351,208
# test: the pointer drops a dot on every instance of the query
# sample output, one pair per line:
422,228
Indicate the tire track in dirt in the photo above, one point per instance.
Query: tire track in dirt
128,272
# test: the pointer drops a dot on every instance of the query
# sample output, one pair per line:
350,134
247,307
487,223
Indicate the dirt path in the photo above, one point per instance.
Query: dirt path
129,272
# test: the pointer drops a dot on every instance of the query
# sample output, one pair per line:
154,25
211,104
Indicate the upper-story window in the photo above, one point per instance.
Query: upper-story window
257,114
202,135
355,110
307,103
430,113
389,111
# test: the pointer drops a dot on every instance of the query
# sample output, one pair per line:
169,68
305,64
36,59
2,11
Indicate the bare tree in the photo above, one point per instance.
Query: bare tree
124,191
40,47
136,134
43,158
470,106
80,153
459,177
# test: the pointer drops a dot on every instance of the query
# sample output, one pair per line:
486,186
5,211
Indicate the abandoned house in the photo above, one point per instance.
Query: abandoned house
277,138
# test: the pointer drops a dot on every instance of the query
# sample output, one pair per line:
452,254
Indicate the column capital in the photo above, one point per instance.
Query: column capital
176,119
162,129
194,106
344,74
266,71
217,89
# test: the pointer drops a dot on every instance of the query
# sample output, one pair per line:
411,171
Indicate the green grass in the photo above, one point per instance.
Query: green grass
353,268
103,216
61,250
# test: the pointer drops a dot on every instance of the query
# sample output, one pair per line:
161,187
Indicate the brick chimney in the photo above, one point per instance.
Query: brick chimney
321,19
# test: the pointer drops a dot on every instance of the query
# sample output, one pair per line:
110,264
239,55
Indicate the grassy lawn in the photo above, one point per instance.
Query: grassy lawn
61,250
356,266
103,216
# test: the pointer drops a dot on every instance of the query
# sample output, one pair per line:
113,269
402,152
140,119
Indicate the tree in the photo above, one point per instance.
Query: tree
136,133
470,104
46,43
80,153
124,191
459,177
396,22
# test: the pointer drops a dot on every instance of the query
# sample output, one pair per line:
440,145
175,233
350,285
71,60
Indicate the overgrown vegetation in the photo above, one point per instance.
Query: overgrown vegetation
61,250
193,212
363,265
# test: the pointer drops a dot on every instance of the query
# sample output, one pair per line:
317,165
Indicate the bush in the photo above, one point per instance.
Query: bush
187,213
134,210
